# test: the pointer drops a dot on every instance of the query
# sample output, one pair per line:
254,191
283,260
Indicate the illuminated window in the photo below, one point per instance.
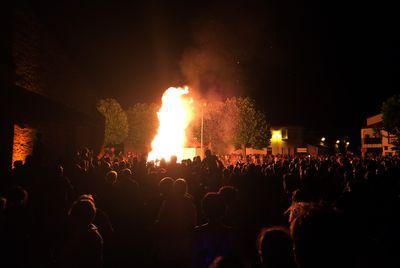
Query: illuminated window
284,132
276,135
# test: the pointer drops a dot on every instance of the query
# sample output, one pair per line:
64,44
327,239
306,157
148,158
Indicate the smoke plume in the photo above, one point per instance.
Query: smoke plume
215,64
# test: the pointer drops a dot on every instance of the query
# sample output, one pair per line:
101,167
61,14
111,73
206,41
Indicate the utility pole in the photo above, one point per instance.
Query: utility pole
201,132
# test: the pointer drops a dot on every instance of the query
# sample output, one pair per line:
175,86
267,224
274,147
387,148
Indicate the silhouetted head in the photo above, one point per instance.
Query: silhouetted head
86,197
163,163
16,197
111,177
317,235
213,206
290,183
82,212
174,159
196,160
125,175
58,171
275,247
18,164
228,194
207,153
126,172
106,166
165,186
143,158
226,262
180,187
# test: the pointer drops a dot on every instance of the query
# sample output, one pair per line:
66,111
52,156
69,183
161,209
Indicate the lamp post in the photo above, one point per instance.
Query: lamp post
202,131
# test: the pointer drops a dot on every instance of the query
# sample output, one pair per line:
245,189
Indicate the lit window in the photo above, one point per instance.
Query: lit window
276,135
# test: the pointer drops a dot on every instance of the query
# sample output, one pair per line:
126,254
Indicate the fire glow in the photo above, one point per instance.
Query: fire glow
174,117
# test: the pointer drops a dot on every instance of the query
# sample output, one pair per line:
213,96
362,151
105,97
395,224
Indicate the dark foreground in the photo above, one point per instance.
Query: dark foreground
280,212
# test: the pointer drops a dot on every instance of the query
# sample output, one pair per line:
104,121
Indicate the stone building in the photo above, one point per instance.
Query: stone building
39,85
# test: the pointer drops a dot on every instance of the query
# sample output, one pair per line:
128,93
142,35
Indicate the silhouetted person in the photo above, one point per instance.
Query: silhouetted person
275,248
211,171
229,196
105,228
318,237
127,217
18,175
174,168
59,191
15,232
84,244
176,220
213,239
165,190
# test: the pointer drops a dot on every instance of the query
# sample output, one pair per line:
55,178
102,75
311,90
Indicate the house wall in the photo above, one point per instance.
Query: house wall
35,93
376,142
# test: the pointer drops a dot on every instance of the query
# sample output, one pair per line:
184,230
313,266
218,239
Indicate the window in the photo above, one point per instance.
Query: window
284,132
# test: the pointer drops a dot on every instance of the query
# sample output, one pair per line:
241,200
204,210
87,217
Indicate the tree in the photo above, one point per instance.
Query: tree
251,128
116,121
391,117
143,123
217,126
235,121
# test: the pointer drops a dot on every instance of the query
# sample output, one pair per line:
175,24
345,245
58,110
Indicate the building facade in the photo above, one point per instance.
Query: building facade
288,140
375,140
37,107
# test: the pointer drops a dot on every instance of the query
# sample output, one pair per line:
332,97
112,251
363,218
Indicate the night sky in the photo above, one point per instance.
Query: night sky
325,65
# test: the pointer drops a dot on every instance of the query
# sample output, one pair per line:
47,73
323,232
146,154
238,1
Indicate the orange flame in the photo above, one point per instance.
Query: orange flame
174,117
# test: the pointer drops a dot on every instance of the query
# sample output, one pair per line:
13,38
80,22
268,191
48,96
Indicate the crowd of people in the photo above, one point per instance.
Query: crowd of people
271,211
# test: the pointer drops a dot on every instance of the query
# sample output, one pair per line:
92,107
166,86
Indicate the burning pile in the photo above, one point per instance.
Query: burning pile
174,117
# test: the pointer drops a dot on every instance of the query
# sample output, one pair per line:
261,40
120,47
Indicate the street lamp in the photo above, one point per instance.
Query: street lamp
337,141
202,131
347,143
323,139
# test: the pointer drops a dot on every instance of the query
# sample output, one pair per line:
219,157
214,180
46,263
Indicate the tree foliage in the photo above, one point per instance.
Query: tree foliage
143,123
217,127
235,121
251,128
116,129
391,116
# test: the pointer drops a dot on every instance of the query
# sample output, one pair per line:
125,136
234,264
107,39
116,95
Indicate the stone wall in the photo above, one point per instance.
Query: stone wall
43,66
47,94
24,138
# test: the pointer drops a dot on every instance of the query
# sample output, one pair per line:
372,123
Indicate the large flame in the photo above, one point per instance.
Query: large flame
174,117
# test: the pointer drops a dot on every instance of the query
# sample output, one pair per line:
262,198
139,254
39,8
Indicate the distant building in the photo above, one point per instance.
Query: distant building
375,140
288,140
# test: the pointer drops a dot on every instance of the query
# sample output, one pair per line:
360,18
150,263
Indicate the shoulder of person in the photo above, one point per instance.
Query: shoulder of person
94,234
201,228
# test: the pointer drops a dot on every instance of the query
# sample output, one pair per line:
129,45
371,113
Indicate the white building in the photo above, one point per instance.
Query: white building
375,140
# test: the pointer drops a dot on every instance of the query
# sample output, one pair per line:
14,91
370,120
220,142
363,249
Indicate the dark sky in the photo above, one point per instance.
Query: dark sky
325,65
